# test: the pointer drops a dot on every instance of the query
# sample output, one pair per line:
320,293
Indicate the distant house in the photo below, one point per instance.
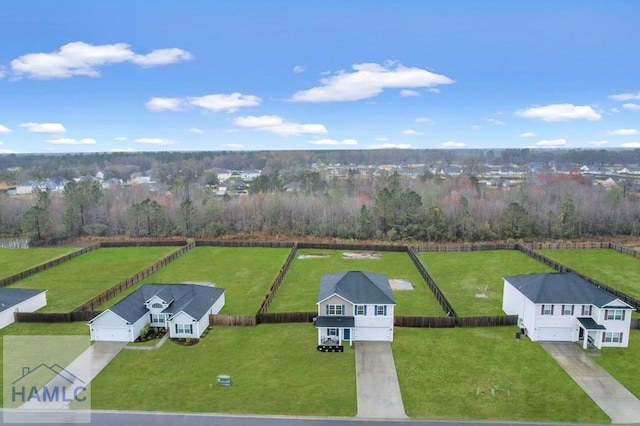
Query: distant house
19,300
250,175
183,309
354,306
27,187
566,307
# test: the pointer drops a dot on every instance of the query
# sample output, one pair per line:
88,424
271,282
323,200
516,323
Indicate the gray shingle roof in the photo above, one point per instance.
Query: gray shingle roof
334,321
12,296
193,299
560,287
357,287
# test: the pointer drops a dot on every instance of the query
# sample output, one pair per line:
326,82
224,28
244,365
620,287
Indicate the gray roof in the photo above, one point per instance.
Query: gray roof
334,321
590,324
12,296
357,287
193,299
559,287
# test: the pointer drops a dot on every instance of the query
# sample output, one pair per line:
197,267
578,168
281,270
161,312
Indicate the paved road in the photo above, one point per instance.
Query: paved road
613,398
377,382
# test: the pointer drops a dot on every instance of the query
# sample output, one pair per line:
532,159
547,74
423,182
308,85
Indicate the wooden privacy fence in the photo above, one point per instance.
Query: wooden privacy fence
55,316
44,266
463,247
565,245
440,297
625,250
352,246
425,322
278,280
233,320
285,317
131,281
487,321
265,244
143,243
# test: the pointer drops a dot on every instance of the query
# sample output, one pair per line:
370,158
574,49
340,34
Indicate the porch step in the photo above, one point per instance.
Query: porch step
330,348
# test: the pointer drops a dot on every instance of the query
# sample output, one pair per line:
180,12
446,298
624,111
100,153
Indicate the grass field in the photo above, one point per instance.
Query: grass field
610,267
74,282
275,369
463,275
246,273
13,261
299,290
451,374
623,363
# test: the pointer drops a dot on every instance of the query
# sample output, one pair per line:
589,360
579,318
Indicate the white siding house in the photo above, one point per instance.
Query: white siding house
19,300
354,306
566,307
183,309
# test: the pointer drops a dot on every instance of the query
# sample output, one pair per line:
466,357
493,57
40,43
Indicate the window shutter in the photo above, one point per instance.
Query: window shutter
385,310
542,310
176,328
190,328
343,311
621,334
365,309
623,312
551,309
375,310
606,314
326,309
603,333
562,310
572,307
582,310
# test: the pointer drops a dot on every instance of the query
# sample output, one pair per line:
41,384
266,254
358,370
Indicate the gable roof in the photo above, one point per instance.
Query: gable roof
560,287
193,299
10,297
357,287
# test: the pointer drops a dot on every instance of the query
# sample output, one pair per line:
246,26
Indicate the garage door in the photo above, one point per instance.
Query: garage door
372,334
561,334
111,334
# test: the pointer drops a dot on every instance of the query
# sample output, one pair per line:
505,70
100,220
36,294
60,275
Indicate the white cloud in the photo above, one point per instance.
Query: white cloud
476,127
615,110
423,120
124,150
382,139
623,132
3,72
222,102
7,151
334,142
44,127
71,141
598,143
633,107
560,112
551,143
80,58
4,129
527,135
367,81
433,90
411,132
235,146
407,93
630,145
391,146
165,104
120,138
453,144
299,69
496,122
196,130
626,96
154,141
276,124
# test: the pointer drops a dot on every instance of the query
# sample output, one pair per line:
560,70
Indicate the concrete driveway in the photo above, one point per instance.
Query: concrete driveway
613,398
377,382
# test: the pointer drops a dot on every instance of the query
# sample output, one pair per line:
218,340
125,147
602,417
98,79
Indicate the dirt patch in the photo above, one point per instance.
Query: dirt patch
362,255
482,295
398,284
312,255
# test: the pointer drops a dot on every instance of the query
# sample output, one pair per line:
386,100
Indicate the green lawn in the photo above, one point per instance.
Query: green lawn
246,273
275,369
13,261
622,363
610,267
450,374
463,275
74,282
299,290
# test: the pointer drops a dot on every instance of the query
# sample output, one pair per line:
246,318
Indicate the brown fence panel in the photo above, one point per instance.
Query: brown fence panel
278,280
463,247
54,316
232,320
285,317
431,283
487,321
425,322
143,243
264,244
625,250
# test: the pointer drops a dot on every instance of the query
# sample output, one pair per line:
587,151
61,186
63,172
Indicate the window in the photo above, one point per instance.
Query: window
614,314
332,332
586,309
361,310
184,328
381,310
156,318
335,309
157,306
567,309
612,337
546,310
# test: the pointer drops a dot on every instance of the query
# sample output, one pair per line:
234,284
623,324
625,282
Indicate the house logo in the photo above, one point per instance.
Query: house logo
65,387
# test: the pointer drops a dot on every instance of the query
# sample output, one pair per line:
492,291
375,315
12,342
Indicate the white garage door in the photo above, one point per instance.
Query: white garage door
111,334
558,334
372,334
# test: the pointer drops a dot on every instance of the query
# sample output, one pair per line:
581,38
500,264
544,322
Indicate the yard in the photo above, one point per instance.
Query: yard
74,282
299,290
13,261
246,273
275,369
623,363
472,280
485,374
610,267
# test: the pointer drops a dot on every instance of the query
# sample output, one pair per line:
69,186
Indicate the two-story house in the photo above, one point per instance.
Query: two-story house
566,307
354,306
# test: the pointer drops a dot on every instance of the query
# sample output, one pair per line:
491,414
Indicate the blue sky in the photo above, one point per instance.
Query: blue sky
78,76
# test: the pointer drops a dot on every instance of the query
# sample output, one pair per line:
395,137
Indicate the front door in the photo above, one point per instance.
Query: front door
347,334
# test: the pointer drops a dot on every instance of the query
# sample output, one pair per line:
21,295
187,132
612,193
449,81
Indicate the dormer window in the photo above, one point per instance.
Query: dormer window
157,306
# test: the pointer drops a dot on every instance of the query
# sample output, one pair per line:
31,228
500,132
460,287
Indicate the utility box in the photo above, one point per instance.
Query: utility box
224,380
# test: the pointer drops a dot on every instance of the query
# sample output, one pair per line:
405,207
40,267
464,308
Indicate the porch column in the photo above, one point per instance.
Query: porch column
599,339
585,341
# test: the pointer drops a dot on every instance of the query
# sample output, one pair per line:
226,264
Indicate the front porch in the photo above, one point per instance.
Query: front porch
590,332
334,330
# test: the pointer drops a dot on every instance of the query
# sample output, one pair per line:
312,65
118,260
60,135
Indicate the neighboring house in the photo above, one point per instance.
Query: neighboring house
354,306
566,307
183,309
19,300
250,175
25,187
